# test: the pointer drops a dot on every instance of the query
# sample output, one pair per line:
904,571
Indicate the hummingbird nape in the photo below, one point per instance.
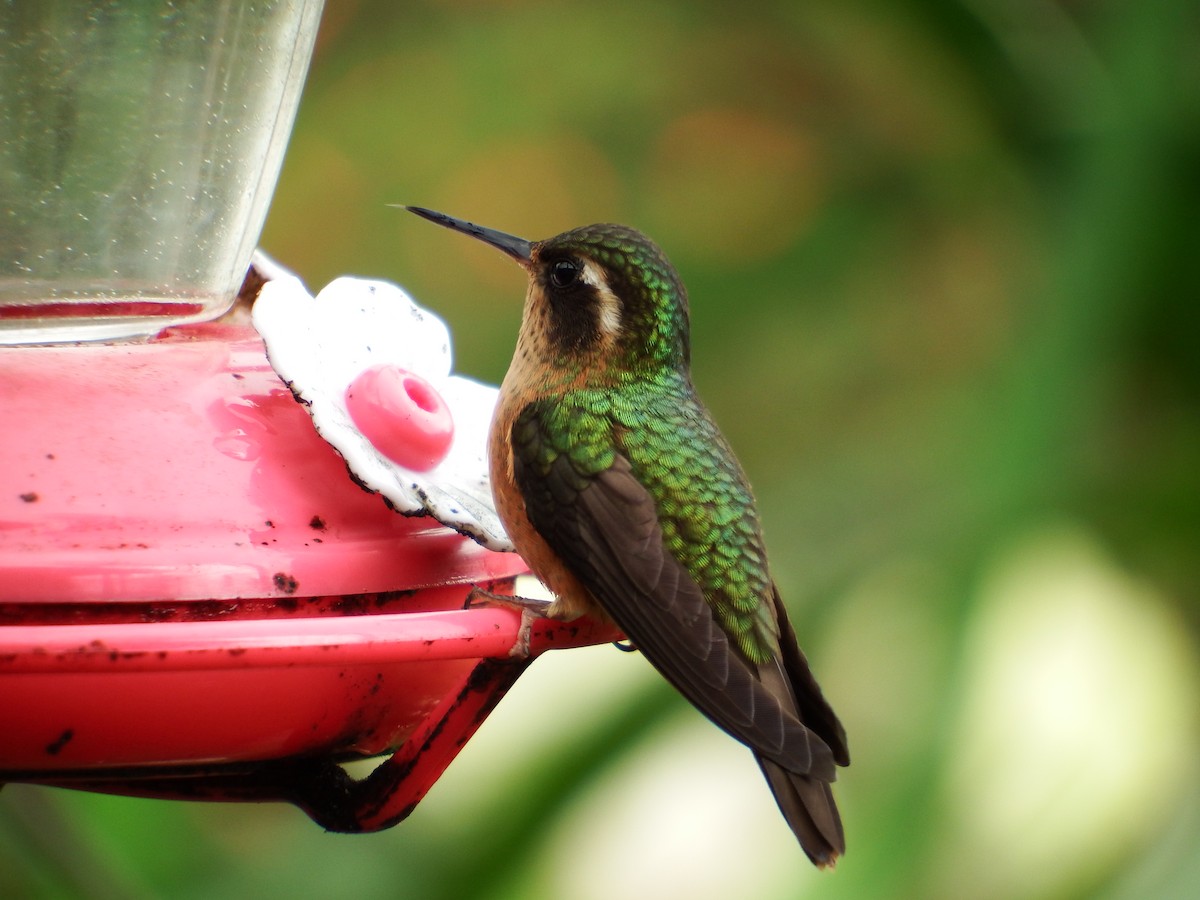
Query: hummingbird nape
621,494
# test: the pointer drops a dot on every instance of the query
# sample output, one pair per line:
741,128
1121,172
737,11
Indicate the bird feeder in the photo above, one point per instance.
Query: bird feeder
197,598
198,601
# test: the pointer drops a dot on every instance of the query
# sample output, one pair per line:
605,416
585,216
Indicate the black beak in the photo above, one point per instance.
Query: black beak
518,248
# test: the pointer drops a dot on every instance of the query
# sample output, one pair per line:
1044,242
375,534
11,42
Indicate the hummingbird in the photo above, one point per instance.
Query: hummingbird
617,488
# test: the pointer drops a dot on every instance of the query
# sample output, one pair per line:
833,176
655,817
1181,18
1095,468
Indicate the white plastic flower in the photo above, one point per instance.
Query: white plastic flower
373,370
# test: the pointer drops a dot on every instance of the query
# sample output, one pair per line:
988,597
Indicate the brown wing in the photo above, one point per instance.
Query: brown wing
604,526
806,802
792,668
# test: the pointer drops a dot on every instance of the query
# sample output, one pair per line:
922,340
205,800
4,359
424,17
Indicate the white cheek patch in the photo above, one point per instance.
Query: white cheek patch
610,319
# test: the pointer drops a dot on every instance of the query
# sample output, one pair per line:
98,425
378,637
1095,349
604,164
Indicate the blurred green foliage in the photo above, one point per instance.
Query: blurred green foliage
945,304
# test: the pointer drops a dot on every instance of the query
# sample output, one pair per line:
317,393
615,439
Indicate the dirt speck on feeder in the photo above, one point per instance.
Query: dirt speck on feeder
55,746
286,583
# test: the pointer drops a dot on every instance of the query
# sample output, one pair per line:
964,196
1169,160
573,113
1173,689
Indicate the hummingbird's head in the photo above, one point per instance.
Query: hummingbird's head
604,296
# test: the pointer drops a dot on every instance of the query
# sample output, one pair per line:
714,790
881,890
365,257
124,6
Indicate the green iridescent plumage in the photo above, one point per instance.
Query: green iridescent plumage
705,510
654,300
647,410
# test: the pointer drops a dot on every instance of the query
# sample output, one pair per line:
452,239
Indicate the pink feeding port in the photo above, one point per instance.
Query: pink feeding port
402,416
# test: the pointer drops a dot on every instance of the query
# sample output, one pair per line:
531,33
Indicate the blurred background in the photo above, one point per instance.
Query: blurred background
942,259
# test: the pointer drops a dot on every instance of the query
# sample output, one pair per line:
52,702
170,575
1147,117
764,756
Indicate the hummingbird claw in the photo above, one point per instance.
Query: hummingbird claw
483,597
530,611
520,650
625,646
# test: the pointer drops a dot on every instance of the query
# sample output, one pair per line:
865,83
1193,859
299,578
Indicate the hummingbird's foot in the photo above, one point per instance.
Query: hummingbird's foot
531,610
625,646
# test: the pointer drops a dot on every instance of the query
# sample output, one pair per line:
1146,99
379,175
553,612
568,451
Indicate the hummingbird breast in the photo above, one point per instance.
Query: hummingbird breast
572,599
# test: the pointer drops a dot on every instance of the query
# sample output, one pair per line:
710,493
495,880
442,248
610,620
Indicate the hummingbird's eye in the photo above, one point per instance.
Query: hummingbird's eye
565,272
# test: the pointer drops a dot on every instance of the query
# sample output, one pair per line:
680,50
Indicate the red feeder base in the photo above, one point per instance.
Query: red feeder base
197,601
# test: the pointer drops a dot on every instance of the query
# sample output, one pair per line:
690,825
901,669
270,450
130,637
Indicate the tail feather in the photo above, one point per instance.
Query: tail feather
807,805
805,801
